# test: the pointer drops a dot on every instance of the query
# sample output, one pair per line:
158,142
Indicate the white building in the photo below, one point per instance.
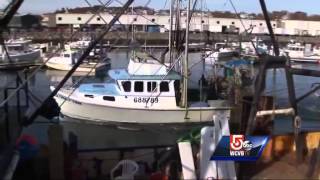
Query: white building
161,23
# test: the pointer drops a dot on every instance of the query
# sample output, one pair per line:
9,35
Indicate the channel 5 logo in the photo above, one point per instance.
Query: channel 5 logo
240,148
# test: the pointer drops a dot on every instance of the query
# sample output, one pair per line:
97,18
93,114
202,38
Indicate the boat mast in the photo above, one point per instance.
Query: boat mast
184,102
132,34
170,31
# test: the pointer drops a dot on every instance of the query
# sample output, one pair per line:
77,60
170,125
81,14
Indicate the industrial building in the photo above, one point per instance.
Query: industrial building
161,23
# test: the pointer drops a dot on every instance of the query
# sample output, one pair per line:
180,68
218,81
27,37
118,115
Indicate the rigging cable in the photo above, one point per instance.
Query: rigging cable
43,64
244,27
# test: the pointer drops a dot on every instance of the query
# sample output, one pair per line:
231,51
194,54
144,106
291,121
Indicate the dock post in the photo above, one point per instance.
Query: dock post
56,154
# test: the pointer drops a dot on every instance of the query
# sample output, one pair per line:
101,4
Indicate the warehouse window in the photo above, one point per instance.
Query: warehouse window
134,19
218,22
202,21
232,23
260,24
98,19
79,18
59,18
153,20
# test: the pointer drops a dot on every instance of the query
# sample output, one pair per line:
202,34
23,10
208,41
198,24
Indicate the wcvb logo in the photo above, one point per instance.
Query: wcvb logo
239,146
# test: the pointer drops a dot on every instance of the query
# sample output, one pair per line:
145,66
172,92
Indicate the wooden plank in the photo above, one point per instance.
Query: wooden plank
208,168
56,155
288,111
187,162
225,169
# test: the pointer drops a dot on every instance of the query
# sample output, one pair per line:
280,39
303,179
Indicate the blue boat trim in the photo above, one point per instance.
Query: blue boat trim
100,89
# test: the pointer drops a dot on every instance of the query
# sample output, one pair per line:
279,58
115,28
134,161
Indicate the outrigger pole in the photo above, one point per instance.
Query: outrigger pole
30,119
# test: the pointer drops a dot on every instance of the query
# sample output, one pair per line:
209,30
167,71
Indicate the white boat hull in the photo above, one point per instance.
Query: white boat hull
311,59
21,57
109,114
68,67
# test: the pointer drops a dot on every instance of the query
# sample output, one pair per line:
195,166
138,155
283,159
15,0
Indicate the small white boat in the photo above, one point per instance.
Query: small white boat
300,53
144,93
68,57
20,52
255,46
83,43
224,53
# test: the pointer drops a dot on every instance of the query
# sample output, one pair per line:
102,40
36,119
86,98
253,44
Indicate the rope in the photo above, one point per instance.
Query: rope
246,29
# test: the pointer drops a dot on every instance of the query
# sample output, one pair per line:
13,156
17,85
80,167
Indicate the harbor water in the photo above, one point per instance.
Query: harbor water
97,136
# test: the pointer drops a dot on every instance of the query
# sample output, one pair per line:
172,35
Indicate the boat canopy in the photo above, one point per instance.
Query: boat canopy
146,67
122,74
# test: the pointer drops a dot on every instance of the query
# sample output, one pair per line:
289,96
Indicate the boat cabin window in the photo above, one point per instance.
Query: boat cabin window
164,87
152,86
89,96
138,86
108,98
126,86
66,55
15,48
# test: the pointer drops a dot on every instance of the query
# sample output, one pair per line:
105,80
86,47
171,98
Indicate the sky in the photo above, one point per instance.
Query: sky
309,6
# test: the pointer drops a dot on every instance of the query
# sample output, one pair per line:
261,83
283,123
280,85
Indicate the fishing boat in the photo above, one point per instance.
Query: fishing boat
221,52
67,58
301,53
145,93
255,46
18,51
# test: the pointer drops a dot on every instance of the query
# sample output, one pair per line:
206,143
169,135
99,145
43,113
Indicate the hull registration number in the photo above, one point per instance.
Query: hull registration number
145,100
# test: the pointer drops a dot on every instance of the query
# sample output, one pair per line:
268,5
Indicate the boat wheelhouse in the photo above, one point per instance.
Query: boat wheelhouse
19,51
145,93
301,53
68,57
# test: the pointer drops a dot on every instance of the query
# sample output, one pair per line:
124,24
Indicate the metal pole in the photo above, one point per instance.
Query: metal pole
273,39
185,62
18,100
170,31
6,113
77,64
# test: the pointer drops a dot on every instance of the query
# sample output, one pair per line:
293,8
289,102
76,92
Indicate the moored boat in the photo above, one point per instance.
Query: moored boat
18,52
144,93
67,58
301,53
